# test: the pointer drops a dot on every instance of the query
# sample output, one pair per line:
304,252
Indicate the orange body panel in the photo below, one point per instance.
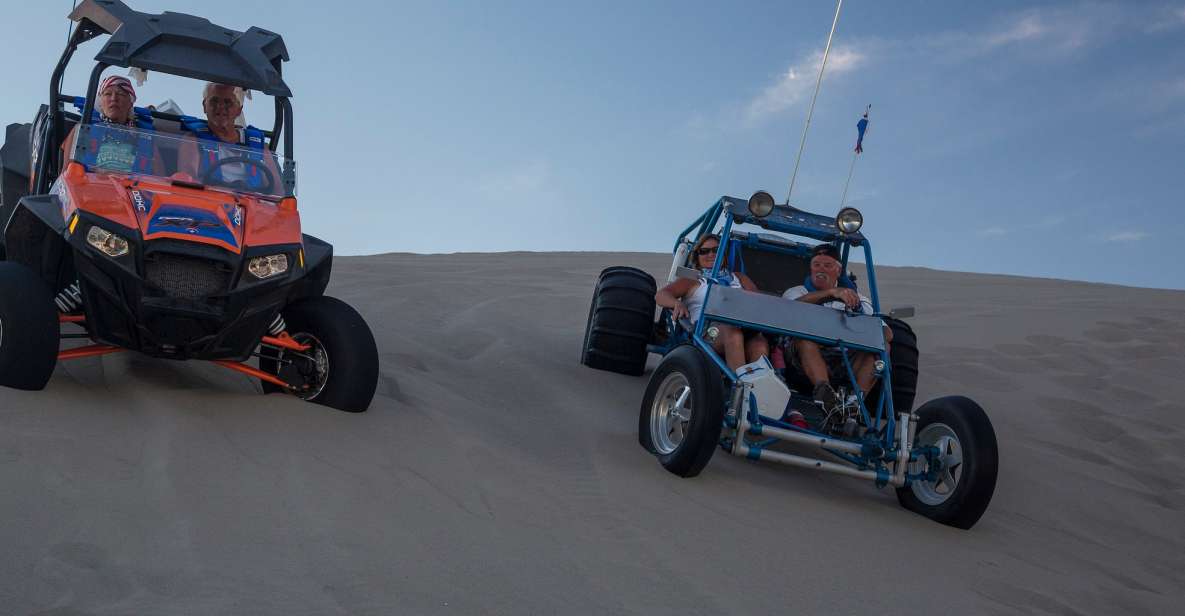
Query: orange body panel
210,216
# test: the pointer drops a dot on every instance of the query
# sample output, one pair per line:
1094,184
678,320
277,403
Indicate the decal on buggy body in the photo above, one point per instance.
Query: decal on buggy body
193,221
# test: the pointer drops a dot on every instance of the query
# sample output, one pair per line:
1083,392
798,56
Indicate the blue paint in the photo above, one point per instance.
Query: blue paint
190,221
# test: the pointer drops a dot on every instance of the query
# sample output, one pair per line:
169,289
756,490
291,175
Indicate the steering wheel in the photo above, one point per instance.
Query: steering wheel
269,177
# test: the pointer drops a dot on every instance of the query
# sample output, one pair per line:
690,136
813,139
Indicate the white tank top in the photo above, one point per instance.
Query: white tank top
695,300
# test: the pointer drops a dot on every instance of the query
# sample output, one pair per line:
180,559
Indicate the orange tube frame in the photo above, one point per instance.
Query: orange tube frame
283,341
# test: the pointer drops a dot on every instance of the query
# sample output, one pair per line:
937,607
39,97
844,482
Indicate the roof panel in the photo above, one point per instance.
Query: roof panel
188,46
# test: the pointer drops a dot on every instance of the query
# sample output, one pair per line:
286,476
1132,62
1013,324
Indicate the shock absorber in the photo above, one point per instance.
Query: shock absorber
278,325
70,298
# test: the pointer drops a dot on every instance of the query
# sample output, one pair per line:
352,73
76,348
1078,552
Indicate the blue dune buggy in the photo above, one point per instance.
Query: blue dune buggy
941,458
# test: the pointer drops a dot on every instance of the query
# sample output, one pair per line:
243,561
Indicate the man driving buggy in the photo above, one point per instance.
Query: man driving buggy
819,363
205,159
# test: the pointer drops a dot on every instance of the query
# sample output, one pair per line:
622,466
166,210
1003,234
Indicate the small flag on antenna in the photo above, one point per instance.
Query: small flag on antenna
862,126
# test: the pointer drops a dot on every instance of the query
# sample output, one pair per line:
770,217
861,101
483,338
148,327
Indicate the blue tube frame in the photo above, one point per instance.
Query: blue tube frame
882,423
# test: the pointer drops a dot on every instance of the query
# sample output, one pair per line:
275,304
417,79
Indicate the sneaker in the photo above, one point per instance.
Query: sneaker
796,419
826,396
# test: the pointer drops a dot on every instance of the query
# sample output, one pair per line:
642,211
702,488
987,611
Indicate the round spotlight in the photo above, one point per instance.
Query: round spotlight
712,333
849,220
761,204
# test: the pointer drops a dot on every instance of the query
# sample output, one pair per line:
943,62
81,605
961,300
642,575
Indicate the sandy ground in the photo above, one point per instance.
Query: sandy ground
493,474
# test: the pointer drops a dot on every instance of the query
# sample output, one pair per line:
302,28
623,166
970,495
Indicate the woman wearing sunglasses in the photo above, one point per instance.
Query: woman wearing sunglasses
685,298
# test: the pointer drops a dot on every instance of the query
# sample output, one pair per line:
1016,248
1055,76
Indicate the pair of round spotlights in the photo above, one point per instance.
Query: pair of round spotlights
849,219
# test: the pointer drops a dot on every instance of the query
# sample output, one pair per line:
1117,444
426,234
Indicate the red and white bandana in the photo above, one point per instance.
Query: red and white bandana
123,83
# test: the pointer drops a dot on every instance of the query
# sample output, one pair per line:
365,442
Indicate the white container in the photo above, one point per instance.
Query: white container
680,259
771,393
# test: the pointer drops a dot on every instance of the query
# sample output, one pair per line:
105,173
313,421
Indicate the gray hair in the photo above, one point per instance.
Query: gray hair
210,85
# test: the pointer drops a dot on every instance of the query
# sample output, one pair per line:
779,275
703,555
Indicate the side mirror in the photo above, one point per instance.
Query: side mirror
902,312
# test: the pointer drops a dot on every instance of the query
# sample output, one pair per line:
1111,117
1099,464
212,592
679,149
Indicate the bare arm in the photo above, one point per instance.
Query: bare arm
747,283
671,295
847,296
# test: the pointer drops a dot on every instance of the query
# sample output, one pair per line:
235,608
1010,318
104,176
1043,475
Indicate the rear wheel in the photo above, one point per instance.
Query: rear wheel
29,333
903,361
962,474
682,412
620,321
340,369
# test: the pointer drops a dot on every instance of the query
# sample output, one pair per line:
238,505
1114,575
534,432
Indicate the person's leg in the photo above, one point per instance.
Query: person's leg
731,342
864,365
756,347
811,360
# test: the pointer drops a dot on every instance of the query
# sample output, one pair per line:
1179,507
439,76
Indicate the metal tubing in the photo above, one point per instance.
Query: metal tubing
847,364
88,351
711,353
683,235
277,126
876,302
821,442
903,442
744,450
713,216
71,318
284,341
92,90
249,371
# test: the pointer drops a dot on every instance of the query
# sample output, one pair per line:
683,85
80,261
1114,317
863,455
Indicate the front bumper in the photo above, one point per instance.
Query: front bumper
183,300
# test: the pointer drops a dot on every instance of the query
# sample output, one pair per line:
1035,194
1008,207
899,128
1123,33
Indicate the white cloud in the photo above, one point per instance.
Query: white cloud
526,178
1047,32
993,231
798,82
1169,19
1126,236
1026,28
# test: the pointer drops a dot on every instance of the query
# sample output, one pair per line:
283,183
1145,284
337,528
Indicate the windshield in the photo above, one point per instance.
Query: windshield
183,158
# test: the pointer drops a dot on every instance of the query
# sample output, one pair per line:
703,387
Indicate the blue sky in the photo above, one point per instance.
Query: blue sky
1032,138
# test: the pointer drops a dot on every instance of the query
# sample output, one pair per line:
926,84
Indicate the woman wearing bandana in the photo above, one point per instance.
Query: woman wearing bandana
117,150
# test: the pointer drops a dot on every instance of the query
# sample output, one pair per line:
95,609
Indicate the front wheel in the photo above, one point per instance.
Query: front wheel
682,412
961,470
341,367
29,331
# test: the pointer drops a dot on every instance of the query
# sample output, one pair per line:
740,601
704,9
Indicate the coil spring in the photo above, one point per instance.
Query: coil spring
278,326
70,299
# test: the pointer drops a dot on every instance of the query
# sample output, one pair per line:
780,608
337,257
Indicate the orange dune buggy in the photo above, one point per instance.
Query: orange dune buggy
121,238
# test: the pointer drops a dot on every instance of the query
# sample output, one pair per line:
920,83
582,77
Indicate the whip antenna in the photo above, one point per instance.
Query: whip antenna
818,83
69,23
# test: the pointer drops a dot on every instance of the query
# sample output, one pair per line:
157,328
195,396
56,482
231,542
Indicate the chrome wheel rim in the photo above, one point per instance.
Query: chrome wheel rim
950,453
670,413
314,366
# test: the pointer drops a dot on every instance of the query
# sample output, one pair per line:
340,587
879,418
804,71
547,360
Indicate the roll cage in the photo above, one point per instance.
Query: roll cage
172,43
776,316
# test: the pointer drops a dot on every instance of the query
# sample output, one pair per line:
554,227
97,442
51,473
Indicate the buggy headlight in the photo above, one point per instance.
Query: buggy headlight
849,220
266,267
761,204
107,242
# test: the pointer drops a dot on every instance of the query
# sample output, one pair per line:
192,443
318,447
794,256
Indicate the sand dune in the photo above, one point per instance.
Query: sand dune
493,474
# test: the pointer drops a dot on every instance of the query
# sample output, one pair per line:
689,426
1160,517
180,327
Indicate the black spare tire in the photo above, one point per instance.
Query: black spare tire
620,321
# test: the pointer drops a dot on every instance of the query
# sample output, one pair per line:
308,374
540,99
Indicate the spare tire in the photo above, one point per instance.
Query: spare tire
903,357
620,321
